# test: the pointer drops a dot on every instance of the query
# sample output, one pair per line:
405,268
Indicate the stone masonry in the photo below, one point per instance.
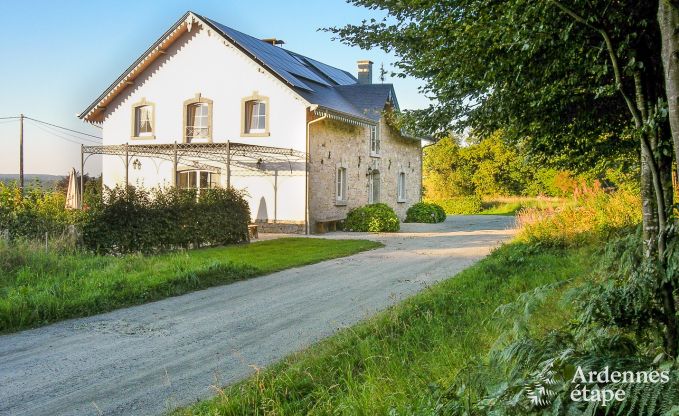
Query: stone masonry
334,144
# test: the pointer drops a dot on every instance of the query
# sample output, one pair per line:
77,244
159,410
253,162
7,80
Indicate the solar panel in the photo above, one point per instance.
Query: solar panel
335,74
274,57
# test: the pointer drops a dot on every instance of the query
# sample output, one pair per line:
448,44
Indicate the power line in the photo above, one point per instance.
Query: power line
57,135
65,128
46,128
5,118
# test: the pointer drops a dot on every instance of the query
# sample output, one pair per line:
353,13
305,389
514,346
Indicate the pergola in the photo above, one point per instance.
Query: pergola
215,157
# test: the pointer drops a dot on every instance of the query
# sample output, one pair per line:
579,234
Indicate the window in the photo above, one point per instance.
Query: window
401,187
143,125
374,141
198,119
255,115
197,179
341,186
374,185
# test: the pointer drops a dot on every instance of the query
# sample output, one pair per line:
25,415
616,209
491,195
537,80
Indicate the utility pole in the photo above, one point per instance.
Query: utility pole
21,153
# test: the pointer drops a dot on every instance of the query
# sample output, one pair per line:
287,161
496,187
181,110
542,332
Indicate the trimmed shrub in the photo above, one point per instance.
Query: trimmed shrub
425,212
136,220
462,205
373,218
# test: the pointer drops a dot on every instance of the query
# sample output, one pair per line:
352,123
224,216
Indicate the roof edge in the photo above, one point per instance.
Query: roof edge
85,114
186,20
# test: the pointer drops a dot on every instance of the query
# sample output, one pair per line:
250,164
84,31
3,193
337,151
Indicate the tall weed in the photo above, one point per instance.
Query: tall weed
593,215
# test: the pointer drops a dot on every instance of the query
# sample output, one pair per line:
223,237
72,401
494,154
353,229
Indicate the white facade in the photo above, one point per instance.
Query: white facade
200,62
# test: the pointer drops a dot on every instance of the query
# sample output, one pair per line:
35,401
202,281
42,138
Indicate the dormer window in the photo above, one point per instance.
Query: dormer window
198,120
143,123
255,116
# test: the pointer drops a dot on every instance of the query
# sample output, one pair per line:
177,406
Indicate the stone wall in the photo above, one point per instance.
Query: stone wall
334,144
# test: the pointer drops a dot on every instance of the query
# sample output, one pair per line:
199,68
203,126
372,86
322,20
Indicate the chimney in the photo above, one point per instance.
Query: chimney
273,41
365,72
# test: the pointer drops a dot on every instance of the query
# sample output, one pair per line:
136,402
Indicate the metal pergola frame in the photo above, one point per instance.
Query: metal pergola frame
202,156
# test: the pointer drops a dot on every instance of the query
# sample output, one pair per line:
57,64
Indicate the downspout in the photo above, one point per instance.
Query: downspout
306,173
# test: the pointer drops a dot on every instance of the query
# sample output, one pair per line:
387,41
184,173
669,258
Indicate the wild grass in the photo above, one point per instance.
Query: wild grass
593,215
403,360
511,205
40,286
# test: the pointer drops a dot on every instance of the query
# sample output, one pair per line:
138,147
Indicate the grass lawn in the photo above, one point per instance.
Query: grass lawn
39,287
402,360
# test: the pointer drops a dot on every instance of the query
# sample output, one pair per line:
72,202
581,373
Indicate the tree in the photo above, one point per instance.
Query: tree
556,77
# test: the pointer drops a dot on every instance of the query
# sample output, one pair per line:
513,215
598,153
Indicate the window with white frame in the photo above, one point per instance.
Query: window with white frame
197,179
197,121
401,187
374,141
341,185
255,116
374,187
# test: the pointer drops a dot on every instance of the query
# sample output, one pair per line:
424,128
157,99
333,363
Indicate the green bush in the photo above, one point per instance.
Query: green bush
425,212
463,205
37,213
373,218
137,220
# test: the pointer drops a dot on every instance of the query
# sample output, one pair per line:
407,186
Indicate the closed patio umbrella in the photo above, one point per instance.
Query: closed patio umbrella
73,196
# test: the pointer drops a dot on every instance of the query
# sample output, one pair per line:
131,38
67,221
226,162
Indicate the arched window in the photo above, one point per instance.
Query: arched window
198,119
401,187
143,120
341,186
197,179
255,115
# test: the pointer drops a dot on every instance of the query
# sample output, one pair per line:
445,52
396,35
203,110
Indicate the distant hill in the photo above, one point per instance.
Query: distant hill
46,181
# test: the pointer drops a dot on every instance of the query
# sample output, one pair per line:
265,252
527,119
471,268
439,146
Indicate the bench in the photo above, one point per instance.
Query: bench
330,224
252,231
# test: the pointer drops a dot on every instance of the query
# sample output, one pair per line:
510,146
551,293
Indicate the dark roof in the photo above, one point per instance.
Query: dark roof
318,83
326,86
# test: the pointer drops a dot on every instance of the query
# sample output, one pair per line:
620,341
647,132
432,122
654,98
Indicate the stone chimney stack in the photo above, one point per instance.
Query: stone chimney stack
365,72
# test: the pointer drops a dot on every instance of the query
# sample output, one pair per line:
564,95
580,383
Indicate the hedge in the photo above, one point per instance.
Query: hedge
372,218
425,212
138,220
461,205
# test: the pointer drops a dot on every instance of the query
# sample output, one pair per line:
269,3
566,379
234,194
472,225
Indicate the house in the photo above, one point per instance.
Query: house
207,105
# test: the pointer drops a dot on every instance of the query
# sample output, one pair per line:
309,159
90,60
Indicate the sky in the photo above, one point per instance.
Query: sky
58,56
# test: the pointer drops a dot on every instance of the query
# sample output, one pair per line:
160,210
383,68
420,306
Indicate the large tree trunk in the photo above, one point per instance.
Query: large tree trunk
668,19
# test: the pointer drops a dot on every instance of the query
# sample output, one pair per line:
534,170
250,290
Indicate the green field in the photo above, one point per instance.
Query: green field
39,286
403,360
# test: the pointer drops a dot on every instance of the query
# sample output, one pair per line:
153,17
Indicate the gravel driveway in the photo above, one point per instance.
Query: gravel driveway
151,358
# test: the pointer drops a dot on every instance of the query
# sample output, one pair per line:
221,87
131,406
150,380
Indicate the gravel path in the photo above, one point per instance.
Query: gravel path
151,358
